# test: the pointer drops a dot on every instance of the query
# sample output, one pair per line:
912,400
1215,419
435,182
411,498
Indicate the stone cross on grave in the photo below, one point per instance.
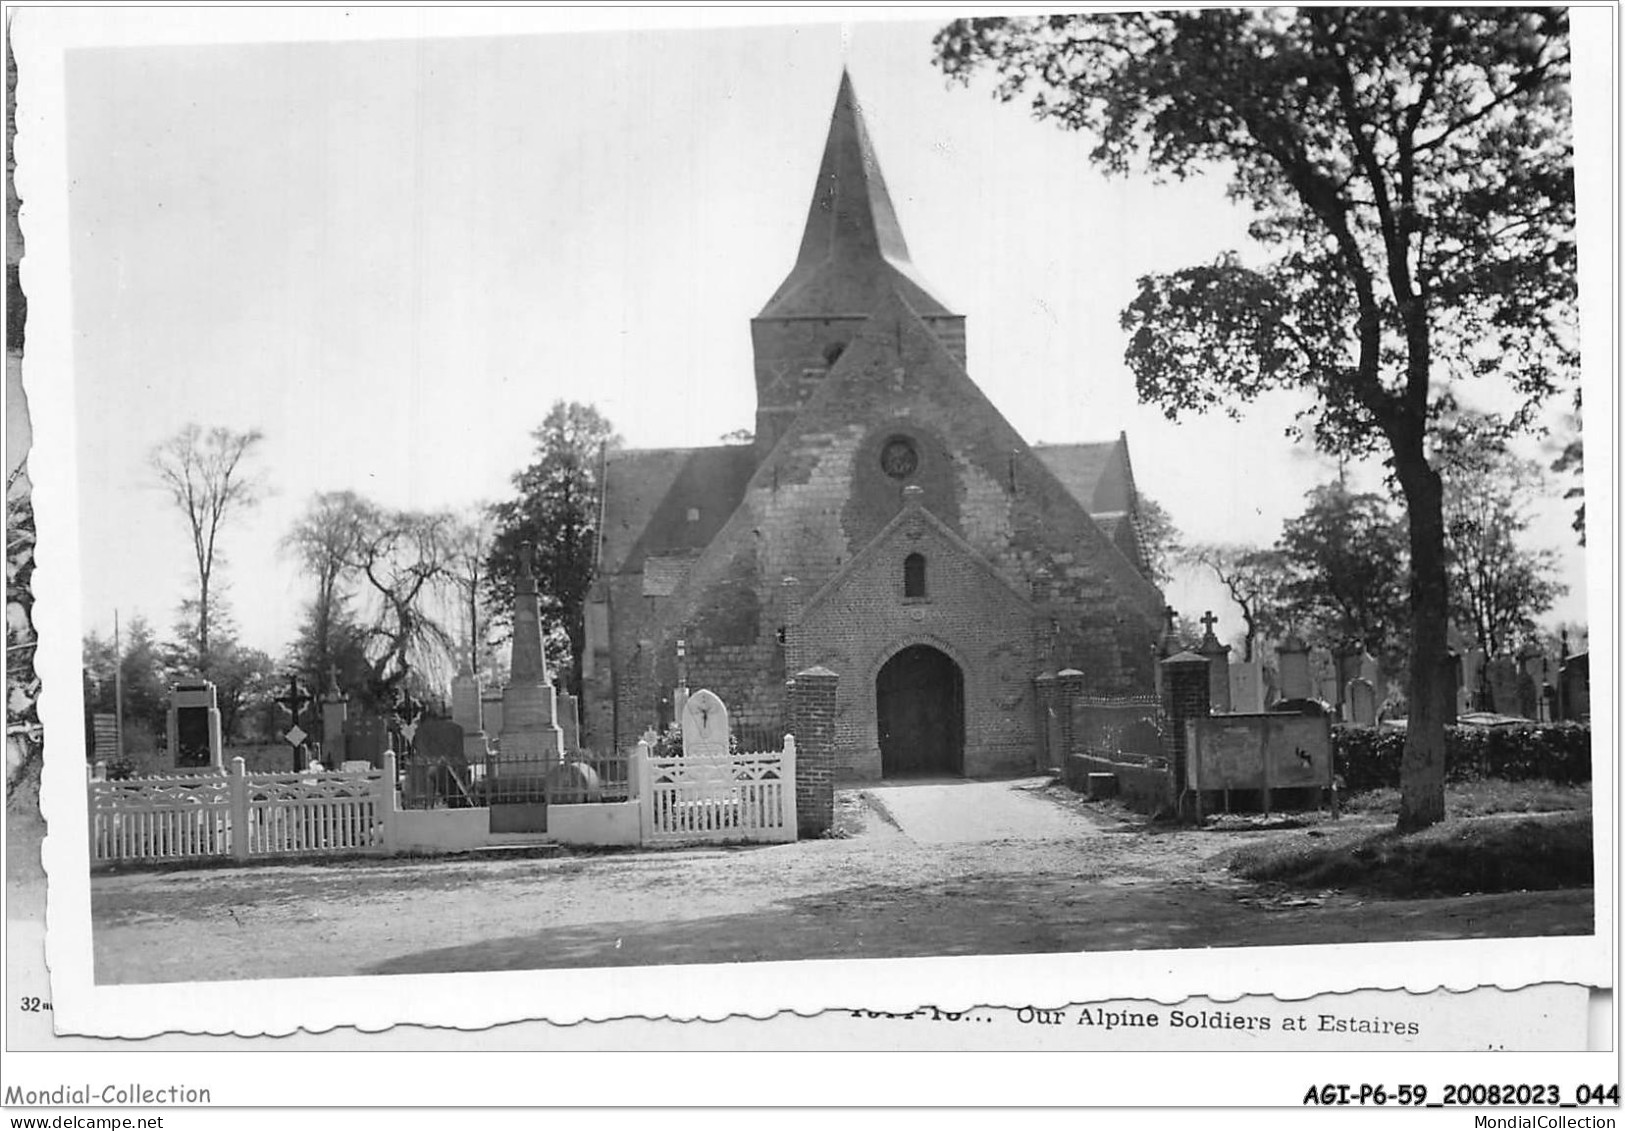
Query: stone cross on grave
1208,621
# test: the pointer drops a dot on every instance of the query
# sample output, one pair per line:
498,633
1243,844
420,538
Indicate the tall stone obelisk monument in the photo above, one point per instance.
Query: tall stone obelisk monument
530,727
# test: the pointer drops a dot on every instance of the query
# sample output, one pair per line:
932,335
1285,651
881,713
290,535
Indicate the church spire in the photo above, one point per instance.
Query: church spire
852,248
851,210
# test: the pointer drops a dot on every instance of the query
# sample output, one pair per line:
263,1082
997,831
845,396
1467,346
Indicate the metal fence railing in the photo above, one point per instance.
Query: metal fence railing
581,779
1128,729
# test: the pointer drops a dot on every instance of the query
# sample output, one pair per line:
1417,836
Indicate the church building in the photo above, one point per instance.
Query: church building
887,524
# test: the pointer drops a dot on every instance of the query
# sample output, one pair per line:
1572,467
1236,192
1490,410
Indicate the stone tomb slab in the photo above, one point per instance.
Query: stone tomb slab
366,738
705,726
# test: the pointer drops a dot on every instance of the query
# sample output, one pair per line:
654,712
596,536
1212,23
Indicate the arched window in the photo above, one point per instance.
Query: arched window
914,575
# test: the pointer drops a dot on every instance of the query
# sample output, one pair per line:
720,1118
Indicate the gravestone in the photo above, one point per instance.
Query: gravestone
1532,677
570,721
334,726
1528,696
1362,702
465,701
439,740
1345,666
705,725
1575,684
1502,672
1247,686
530,729
1218,661
1292,660
491,711
1370,671
437,767
466,712
194,726
1323,681
366,739
1472,679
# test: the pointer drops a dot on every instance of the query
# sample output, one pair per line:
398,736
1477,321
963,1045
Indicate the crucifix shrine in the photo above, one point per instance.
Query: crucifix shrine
295,701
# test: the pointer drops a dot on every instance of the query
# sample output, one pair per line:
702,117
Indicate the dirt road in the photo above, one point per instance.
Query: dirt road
1050,875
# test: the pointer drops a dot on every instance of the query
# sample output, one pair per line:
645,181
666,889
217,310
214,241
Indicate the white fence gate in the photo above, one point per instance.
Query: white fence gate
717,798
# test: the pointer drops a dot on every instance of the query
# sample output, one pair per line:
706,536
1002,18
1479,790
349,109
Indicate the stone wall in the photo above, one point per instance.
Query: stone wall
1145,789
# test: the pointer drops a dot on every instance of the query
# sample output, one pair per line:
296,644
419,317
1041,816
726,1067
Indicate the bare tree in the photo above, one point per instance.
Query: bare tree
1253,578
205,475
405,557
471,542
324,542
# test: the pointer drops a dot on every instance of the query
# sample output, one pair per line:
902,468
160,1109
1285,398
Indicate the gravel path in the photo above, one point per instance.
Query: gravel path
912,872
955,811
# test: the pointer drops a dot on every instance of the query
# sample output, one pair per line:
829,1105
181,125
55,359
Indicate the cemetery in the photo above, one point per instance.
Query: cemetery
1304,732
452,789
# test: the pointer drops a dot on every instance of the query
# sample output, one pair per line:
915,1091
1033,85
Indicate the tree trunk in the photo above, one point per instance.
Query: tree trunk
203,626
1421,774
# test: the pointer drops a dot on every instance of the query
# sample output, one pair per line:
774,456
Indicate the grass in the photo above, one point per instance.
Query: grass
1461,856
1484,798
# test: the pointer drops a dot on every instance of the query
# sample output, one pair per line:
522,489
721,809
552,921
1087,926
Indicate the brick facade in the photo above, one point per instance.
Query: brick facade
857,362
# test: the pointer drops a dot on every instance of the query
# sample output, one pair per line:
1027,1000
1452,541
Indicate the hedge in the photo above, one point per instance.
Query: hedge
1368,757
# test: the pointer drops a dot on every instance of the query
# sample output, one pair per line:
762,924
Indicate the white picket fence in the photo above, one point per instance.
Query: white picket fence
717,798
698,799
241,816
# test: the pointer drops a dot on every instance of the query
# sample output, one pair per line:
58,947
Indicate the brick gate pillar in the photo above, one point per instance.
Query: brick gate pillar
812,721
1068,690
1049,756
1185,695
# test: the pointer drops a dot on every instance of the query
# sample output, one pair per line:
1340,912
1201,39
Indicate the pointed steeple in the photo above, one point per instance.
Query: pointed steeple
852,250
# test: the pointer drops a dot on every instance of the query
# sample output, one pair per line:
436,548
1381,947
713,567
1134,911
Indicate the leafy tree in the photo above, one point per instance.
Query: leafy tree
1410,175
1159,538
1571,461
206,478
142,669
1498,587
324,541
557,511
335,649
1345,557
244,678
1254,579
246,683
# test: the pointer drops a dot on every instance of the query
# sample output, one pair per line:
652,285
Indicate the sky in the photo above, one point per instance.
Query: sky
392,256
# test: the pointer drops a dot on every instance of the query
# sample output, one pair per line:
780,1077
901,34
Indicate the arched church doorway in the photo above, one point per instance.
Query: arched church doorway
920,713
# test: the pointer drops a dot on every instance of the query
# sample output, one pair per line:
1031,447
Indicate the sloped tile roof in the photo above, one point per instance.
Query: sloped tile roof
661,502
1096,474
